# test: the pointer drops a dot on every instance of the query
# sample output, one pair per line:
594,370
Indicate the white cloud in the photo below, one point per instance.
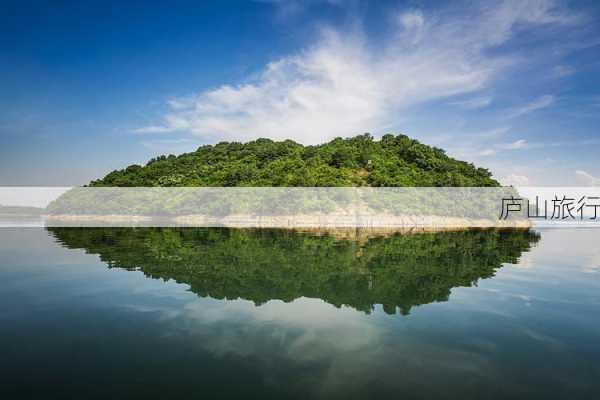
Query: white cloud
537,104
154,129
288,9
516,145
587,179
560,71
412,20
346,84
171,146
487,152
474,103
515,180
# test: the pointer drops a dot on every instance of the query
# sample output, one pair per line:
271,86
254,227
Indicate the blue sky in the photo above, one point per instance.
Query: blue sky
86,87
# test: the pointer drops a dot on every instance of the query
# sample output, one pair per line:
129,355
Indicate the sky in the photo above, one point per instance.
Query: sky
87,87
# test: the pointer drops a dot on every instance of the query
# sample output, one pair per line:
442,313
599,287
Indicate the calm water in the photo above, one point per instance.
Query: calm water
215,313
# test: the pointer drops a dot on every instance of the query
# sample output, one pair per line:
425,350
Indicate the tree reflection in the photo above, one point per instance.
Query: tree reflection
398,271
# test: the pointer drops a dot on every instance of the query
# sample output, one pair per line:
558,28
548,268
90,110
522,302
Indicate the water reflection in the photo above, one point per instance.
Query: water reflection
70,325
397,271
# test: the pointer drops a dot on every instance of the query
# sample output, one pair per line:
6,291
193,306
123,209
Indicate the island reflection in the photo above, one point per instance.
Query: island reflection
398,271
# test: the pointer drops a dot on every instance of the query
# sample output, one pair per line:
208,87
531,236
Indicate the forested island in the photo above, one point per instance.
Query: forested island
342,173
393,161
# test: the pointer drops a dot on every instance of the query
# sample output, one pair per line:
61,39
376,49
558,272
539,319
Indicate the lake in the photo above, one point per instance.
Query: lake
230,313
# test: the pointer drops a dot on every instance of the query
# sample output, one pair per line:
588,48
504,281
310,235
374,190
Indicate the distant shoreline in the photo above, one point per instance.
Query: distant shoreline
21,215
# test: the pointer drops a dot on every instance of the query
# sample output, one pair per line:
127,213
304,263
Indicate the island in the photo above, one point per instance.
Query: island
394,182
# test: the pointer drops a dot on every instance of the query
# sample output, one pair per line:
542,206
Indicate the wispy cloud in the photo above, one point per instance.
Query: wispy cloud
474,103
515,180
537,104
487,152
561,71
179,145
347,84
587,179
516,145
287,9
154,129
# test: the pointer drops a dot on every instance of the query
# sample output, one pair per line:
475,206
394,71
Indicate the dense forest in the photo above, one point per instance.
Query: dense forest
359,161
399,271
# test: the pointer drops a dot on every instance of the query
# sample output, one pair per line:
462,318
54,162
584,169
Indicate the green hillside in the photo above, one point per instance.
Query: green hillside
358,161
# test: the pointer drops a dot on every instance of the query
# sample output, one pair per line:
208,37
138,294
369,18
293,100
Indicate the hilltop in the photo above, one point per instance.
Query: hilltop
358,161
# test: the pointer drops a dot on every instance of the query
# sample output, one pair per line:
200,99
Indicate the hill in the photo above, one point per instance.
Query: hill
358,161
21,211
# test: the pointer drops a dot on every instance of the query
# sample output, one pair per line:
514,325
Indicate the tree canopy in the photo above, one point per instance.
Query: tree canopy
359,161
